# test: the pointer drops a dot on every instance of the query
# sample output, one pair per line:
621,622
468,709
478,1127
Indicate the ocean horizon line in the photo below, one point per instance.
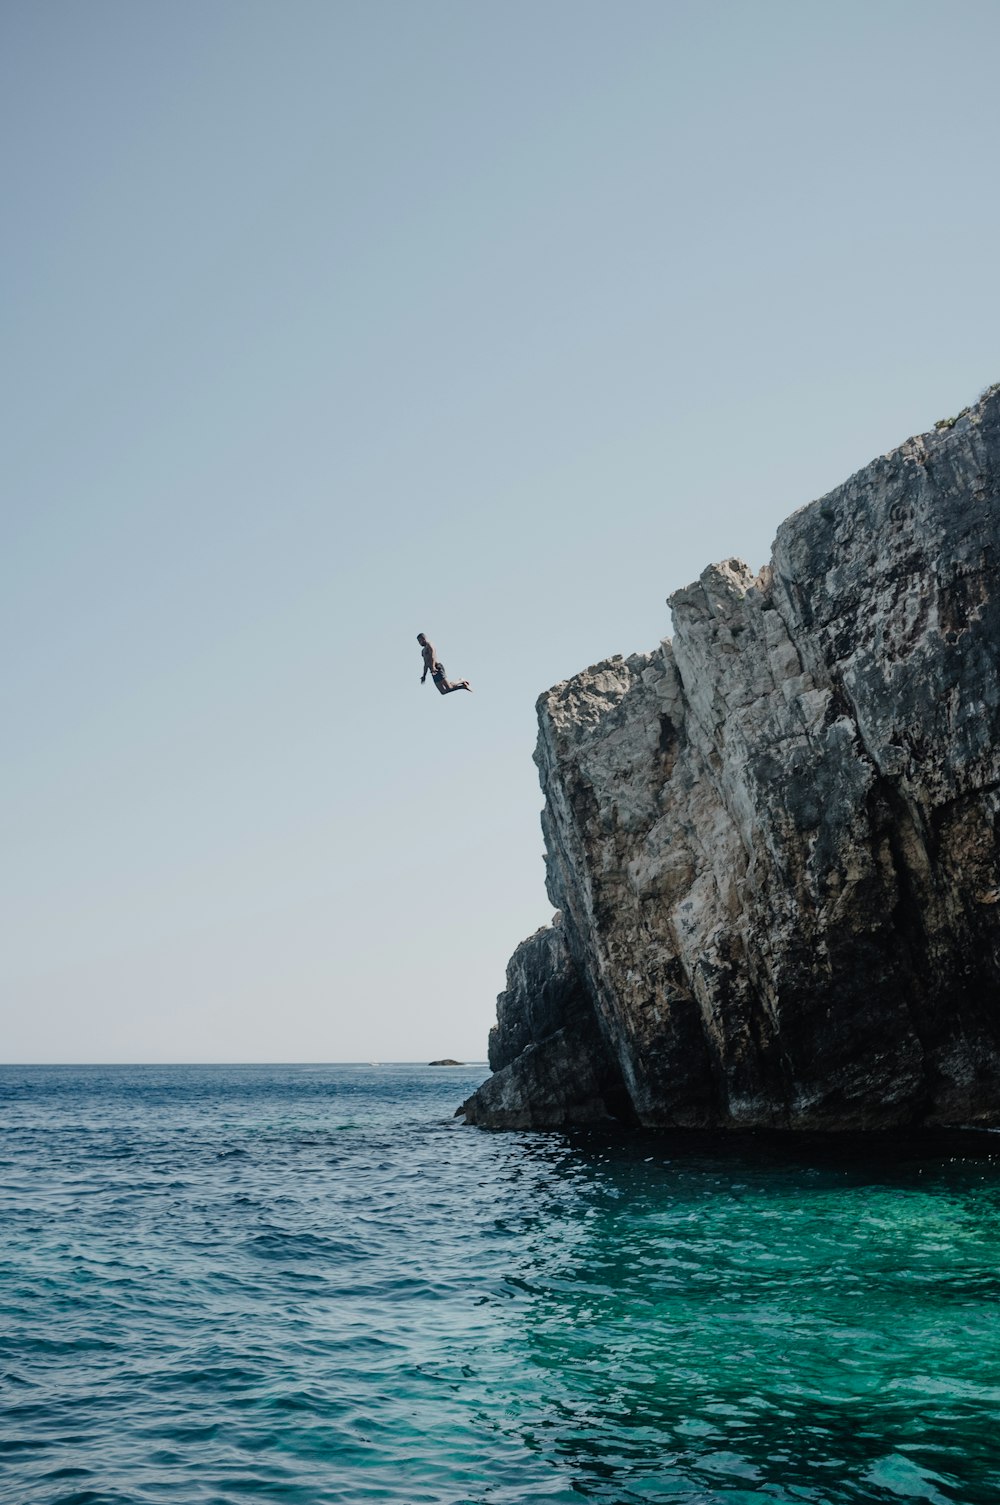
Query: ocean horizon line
178,1065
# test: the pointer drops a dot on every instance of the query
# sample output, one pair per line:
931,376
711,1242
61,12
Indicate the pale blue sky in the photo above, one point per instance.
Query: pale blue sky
327,323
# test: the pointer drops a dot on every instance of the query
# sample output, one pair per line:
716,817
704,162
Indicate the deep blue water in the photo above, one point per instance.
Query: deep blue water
310,1284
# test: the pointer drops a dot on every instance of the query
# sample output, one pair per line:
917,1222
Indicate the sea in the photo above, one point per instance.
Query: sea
314,1284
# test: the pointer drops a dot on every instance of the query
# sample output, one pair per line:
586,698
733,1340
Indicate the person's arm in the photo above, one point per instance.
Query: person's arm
430,660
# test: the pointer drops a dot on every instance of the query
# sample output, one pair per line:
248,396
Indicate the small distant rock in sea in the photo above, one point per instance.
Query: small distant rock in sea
446,1062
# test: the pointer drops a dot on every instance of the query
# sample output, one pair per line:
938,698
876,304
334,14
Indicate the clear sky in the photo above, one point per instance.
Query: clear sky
324,324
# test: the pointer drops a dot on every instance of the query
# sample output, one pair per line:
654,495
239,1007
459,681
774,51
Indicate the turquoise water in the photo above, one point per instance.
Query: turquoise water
310,1284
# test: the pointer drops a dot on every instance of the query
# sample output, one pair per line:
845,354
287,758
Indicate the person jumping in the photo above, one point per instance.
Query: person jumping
435,669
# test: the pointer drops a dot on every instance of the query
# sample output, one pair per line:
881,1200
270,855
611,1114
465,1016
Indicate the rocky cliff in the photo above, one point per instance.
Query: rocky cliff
773,842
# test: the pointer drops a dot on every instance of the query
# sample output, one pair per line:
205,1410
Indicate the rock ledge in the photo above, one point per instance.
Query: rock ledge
773,841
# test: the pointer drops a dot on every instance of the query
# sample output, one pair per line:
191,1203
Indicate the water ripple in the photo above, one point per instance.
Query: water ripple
312,1285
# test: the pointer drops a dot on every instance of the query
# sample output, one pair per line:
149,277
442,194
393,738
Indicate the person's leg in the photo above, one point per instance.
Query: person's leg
445,687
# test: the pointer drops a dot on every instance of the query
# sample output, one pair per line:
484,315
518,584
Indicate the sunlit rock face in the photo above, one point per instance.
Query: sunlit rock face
774,840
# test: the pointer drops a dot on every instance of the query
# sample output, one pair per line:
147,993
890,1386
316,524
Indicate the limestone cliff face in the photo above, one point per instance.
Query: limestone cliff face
773,842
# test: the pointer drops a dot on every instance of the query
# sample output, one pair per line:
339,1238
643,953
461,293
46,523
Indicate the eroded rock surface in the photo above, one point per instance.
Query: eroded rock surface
774,840
561,1069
